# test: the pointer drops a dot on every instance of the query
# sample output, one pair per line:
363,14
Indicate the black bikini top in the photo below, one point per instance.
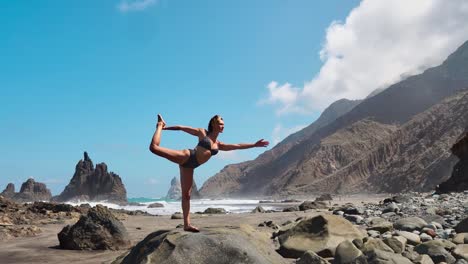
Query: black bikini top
206,143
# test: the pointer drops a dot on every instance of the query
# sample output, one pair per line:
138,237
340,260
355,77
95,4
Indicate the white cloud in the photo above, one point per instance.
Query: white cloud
280,132
135,5
230,156
380,43
152,181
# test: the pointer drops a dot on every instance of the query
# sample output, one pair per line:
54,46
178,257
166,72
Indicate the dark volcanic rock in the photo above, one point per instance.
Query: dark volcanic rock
175,191
32,191
155,205
458,182
93,184
9,190
214,245
99,229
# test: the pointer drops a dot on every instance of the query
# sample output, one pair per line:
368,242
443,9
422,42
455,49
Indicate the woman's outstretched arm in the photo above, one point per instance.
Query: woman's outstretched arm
192,131
227,147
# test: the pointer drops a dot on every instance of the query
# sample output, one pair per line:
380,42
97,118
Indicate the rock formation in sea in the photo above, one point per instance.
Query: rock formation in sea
458,182
175,191
32,191
9,190
93,184
396,140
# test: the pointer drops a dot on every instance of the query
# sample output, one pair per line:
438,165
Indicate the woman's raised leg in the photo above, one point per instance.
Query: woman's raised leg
186,182
177,156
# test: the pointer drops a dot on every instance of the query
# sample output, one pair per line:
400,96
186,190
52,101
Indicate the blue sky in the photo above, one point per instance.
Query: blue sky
91,76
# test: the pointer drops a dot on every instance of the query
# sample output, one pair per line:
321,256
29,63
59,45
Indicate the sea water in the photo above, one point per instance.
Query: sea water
196,205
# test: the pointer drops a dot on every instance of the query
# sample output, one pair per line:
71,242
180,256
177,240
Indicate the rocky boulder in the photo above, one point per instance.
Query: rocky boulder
462,227
307,205
458,182
175,191
321,234
99,229
32,191
9,190
93,184
156,205
211,245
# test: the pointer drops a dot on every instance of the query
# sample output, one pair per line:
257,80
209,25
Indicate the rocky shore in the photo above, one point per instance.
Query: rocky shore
408,228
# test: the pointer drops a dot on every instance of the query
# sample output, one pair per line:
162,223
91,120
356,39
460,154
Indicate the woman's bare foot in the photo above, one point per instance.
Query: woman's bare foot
161,121
191,228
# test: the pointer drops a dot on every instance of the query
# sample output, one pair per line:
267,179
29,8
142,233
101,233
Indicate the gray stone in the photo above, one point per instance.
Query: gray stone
437,252
213,245
214,211
396,243
357,219
310,257
409,224
462,227
425,237
375,243
321,234
381,225
307,205
461,238
383,257
258,209
391,207
155,205
373,233
413,239
424,259
347,252
461,252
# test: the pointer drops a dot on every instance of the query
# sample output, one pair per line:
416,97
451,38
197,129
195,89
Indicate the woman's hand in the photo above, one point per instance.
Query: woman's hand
261,143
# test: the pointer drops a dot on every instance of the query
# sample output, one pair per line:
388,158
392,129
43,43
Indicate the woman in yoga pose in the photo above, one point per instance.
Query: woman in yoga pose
189,159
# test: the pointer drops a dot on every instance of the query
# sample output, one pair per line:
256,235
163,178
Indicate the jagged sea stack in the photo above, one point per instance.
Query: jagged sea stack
175,191
9,190
93,184
32,191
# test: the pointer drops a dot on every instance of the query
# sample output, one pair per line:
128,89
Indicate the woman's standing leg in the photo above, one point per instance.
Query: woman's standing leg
186,182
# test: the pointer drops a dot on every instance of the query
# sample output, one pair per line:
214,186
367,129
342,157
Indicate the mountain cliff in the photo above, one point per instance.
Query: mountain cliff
331,158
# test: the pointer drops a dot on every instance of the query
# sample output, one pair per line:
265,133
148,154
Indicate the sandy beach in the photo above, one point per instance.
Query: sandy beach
43,248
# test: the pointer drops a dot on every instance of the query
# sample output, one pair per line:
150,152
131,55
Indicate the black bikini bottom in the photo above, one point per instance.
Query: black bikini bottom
192,161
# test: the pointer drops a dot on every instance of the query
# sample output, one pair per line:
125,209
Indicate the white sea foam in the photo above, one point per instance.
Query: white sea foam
170,207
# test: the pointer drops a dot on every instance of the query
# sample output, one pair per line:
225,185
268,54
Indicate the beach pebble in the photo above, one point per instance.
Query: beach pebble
425,237
391,207
409,224
357,219
412,238
373,233
461,252
461,238
347,252
310,257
